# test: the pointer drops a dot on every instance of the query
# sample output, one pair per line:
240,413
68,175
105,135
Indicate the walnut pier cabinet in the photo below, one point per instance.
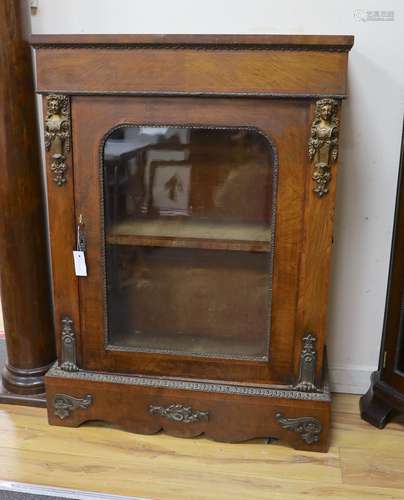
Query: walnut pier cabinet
194,179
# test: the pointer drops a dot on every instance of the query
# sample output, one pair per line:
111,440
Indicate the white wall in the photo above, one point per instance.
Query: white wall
370,141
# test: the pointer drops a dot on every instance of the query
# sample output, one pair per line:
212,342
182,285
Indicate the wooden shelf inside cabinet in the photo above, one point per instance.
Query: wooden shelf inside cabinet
199,345
248,237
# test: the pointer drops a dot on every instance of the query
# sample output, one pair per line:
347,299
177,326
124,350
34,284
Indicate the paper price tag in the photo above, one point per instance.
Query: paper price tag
79,263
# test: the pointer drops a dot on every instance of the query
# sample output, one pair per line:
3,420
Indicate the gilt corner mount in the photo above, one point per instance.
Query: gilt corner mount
308,362
309,428
323,143
57,135
68,351
64,405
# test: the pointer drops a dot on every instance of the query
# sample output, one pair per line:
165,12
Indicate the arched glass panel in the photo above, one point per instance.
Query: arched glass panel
188,218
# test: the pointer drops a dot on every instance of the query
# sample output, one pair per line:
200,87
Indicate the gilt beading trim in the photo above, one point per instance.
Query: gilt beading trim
287,392
179,93
193,46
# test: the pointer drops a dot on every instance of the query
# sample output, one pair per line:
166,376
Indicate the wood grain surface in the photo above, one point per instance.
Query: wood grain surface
150,70
363,462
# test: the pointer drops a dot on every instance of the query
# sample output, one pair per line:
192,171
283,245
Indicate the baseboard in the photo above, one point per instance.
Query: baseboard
350,379
38,491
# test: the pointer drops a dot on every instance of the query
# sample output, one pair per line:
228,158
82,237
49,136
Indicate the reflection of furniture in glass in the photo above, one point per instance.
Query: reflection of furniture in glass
169,188
160,154
145,273
386,393
116,156
208,247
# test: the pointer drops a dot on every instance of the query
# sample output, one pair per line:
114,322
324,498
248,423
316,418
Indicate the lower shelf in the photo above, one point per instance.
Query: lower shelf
193,345
199,303
183,233
184,408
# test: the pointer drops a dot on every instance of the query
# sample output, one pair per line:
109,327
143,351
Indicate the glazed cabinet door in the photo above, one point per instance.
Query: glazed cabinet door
192,215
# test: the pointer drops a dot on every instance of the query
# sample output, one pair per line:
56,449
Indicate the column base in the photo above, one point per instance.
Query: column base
10,398
24,381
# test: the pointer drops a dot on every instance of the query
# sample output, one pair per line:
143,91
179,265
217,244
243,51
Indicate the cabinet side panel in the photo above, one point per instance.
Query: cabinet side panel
315,262
62,229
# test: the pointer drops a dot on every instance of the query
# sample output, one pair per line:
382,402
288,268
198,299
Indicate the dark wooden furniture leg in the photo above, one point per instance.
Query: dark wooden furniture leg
374,409
24,275
386,392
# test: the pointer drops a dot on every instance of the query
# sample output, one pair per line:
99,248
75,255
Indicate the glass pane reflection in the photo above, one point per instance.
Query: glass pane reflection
188,225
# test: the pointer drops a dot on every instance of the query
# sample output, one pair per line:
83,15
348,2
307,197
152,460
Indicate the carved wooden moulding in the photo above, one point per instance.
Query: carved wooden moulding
192,178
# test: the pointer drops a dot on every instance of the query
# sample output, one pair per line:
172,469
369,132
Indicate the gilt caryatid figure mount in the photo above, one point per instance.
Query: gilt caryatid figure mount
57,135
323,143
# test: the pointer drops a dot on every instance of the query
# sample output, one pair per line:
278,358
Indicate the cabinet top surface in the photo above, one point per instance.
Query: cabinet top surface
290,42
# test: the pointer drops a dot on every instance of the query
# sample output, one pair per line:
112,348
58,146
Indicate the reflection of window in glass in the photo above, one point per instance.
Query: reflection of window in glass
188,221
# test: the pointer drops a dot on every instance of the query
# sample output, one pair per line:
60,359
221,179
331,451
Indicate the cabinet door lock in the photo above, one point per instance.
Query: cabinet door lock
79,255
81,236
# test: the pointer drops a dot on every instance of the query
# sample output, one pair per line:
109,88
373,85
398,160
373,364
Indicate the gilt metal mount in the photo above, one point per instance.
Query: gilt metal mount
308,427
308,363
64,405
68,352
179,413
57,135
323,143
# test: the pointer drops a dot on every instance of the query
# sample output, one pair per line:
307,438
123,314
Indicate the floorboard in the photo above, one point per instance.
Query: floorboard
363,462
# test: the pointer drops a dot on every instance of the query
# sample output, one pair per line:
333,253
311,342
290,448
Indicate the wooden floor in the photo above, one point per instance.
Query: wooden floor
363,462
